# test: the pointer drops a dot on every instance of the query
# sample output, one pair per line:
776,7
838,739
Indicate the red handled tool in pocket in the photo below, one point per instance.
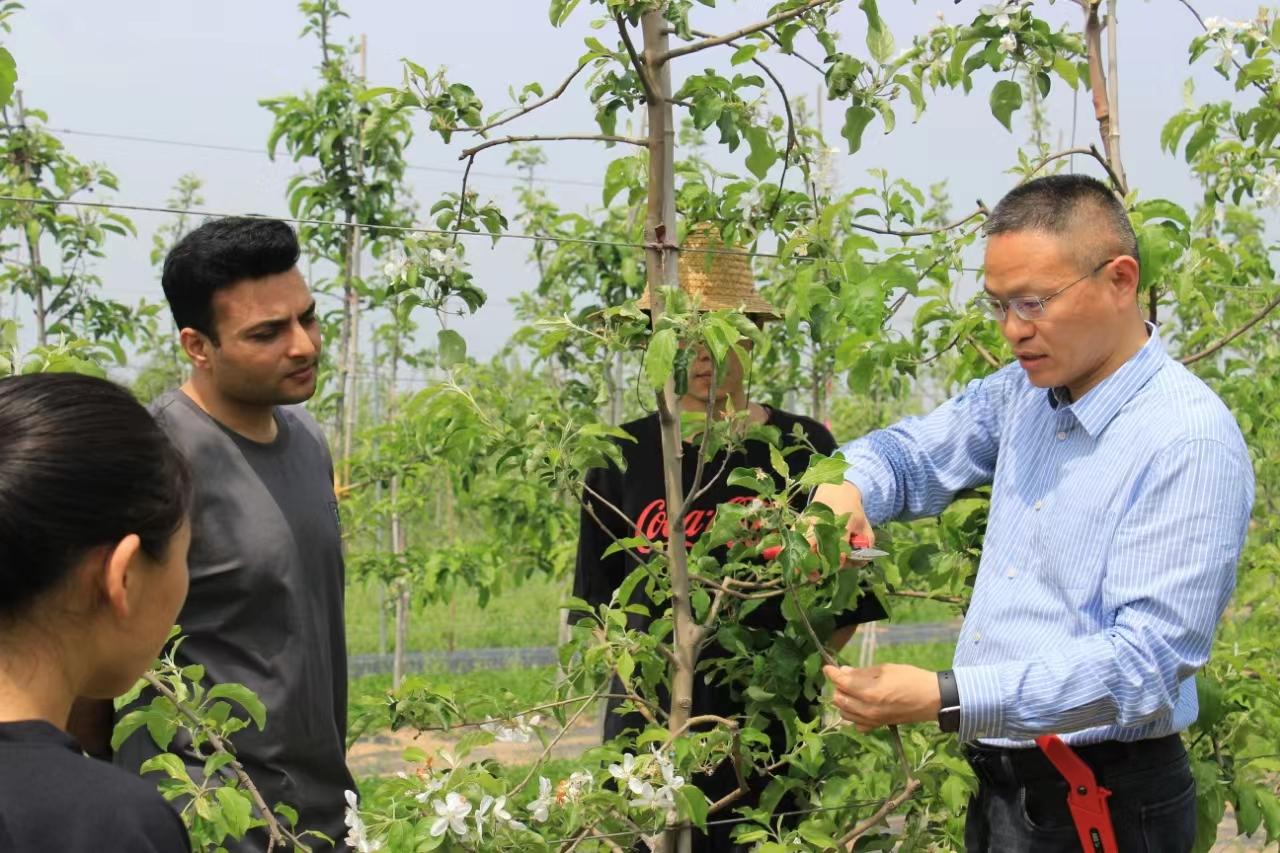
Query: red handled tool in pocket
1085,797
862,550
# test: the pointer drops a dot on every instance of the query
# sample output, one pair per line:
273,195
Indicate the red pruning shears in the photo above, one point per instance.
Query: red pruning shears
1085,797
862,550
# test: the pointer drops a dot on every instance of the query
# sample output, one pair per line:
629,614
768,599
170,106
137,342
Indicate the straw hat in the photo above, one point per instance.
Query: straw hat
718,280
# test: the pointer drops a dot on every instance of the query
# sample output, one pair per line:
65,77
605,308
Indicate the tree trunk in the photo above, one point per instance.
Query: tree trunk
348,351
379,535
660,268
401,585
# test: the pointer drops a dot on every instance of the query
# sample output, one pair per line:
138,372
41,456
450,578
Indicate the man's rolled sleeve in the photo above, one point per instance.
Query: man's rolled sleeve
981,701
873,477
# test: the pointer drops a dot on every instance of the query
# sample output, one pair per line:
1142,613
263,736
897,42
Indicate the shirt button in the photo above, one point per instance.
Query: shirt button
1039,505
1062,435
1012,573
976,637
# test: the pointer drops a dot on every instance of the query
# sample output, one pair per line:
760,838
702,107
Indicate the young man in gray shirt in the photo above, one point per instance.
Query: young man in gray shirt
265,607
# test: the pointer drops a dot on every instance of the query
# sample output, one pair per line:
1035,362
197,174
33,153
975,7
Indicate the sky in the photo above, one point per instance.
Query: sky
193,71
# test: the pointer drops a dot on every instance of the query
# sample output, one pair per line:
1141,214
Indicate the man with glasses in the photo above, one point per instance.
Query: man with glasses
1121,494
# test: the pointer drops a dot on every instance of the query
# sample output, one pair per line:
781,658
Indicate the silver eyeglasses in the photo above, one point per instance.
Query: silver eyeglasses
1030,307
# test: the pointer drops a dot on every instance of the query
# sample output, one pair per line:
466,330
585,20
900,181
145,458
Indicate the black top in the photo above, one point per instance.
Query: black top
265,608
53,797
641,494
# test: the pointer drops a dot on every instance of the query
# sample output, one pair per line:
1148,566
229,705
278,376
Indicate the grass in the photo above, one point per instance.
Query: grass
530,685
518,617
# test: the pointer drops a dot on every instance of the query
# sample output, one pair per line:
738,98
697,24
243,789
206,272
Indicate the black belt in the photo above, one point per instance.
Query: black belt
1006,765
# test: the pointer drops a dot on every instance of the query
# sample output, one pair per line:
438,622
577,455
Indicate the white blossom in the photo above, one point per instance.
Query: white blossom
669,776
540,809
521,732
647,797
501,815
395,267
625,772
1214,25
1001,15
451,813
446,261
358,837
432,787
578,784
1008,43
1269,189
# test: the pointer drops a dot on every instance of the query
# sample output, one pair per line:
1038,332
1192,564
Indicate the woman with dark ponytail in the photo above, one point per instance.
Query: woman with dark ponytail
93,570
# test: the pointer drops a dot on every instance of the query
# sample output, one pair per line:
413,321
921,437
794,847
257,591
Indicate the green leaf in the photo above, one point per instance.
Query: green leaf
8,76
661,356
452,347
1006,97
763,155
560,11
744,54
626,666
245,698
169,764
856,120
814,835
830,470
1248,809
879,39
1066,69
750,479
236,810
694,804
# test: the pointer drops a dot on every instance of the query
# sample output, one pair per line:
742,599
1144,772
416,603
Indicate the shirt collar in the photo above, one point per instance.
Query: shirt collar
1104,401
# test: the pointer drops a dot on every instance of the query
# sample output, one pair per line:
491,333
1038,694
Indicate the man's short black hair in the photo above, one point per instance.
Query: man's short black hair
1068,206
218,254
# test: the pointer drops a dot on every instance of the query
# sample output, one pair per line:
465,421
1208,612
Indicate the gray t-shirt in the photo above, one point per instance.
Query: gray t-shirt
265,607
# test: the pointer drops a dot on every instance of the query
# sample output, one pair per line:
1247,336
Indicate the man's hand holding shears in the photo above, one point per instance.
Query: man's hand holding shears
886,694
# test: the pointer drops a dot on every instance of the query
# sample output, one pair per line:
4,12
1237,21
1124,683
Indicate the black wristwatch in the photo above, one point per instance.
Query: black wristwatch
949,713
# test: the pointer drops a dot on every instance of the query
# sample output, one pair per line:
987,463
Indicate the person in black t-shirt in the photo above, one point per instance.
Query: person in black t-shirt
93,569
639,492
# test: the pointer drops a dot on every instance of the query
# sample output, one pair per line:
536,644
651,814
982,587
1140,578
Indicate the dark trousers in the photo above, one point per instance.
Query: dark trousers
1021,804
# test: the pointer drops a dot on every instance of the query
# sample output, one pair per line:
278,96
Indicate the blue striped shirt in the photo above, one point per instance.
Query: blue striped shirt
1115,526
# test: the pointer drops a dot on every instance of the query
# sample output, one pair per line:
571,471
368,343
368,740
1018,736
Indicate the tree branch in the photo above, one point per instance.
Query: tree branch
462,199
642,72
889,805
555,740
743,787
928,596
583,137
983,351
920,232
480,131
1222,342
1257,84
276,833
791,124
745,31
815,66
